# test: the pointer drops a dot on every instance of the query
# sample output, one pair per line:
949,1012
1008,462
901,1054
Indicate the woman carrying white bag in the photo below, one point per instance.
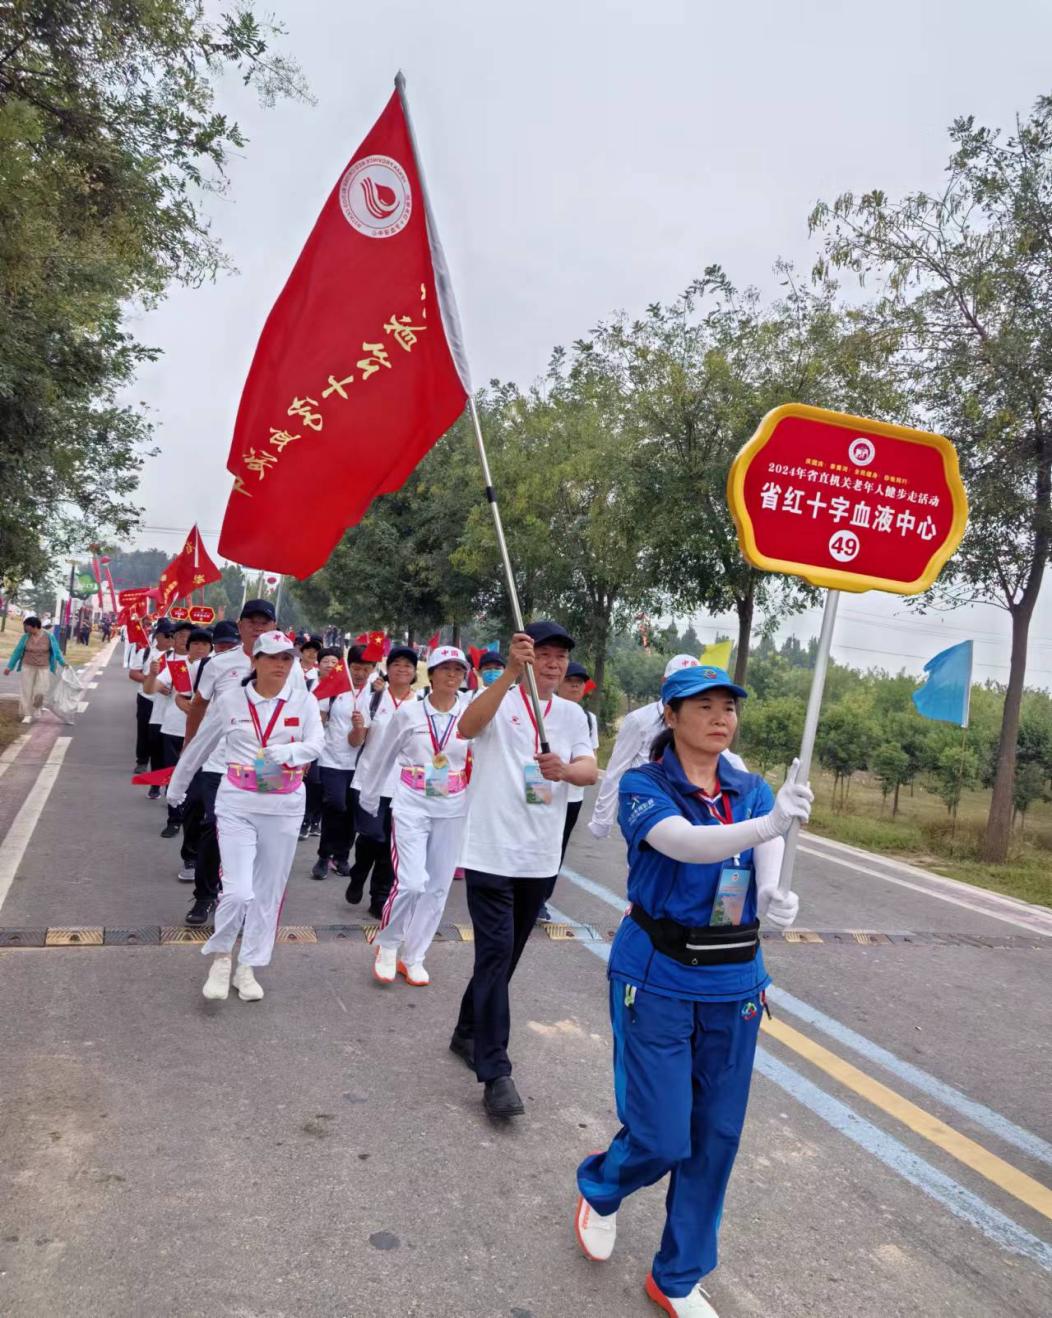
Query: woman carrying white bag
271,731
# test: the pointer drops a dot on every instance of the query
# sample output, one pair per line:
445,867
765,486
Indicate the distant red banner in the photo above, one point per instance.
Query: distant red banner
202,614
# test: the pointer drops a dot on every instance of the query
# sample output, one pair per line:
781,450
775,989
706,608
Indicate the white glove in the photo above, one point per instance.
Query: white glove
276,754
598,830
371,805
792,802
778,908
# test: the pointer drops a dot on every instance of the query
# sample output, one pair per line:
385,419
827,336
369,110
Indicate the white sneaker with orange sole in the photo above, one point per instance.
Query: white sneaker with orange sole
385,966
596,1234
694,1305
416,974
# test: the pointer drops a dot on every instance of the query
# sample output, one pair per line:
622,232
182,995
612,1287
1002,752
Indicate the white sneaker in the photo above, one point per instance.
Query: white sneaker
385,967
416,974
595,1233
186,876
248,987
217,985
694,1305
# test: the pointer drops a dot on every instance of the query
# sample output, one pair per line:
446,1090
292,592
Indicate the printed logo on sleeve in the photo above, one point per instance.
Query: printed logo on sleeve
639,805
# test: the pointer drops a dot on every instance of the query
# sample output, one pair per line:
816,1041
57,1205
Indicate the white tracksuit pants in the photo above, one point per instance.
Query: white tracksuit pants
256,853
425,849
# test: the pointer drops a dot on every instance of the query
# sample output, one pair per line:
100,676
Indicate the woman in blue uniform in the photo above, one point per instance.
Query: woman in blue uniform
687,980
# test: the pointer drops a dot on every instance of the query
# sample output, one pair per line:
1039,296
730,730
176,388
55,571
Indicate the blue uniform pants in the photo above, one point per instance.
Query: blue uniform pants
681,1079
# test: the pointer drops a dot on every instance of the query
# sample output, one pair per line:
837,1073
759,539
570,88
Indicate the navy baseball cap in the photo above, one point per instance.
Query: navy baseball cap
578,670
163,627
258,606
546,632
182,625
490,657
226,630
693,681
402,652
200,634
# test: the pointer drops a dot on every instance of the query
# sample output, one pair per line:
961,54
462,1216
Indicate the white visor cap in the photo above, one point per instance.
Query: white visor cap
681,661
273,642
446,654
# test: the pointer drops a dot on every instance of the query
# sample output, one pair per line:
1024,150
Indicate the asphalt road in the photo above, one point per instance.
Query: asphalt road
322,1153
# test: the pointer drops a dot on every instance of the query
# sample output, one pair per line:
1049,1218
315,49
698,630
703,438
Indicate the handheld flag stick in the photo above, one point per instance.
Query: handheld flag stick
807,745
491,494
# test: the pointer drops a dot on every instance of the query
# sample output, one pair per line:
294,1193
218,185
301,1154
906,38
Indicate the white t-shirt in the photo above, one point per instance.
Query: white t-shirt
138,663
573,792
406,743
377,724
159,697
297,729
503,834
338,753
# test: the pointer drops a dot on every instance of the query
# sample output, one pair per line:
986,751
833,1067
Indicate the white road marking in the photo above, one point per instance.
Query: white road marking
18,837
81,706
10,755
1034,920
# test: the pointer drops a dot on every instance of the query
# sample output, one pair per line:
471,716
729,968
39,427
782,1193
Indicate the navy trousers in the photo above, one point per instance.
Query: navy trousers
681,1080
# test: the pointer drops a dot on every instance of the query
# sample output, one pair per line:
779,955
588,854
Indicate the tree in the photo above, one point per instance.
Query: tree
772,730
968,291
108,136
846,738
1029,787
891,766
955,768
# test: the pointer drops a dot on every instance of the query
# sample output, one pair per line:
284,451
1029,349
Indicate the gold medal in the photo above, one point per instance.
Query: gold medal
440,761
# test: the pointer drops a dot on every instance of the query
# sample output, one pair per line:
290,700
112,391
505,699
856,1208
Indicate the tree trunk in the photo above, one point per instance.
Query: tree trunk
999,820
456,635
895,804
744,608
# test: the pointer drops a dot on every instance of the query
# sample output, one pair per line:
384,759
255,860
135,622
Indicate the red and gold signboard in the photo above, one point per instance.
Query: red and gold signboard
179,613
847,503
202,614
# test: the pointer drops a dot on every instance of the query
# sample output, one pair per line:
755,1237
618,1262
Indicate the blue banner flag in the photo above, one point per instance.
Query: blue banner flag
946,695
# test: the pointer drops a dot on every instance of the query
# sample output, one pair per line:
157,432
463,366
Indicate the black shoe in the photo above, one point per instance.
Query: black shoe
153,794
376,910
501,1098
354,891
200,912
304,833
464,1047
321,868
544,916
140,768
343,869
170,830
315,830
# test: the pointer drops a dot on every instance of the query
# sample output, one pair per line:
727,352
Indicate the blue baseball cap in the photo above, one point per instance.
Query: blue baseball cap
225,630
693,681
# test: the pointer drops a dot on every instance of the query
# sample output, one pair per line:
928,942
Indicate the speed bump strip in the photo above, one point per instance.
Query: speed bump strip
802,936
73,938
22,937
561,933
184,934
466,932
149,936
338,933
297,933
868,937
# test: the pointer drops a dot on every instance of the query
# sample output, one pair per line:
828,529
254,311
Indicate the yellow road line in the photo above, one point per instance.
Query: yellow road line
973,1155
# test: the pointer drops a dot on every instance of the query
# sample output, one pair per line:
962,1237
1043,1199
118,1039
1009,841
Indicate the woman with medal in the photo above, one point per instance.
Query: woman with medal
267,730
427,815
687,980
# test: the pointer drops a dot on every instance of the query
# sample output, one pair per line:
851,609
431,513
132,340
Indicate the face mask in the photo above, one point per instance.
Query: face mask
490,676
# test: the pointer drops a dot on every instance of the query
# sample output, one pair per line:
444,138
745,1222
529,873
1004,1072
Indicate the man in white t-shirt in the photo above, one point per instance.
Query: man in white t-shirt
161,642
345,729
176,683
513,837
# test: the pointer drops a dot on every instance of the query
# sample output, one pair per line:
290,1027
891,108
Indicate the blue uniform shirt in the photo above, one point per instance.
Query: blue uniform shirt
669,889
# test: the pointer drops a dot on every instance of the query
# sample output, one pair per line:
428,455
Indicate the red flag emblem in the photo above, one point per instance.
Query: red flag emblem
354,376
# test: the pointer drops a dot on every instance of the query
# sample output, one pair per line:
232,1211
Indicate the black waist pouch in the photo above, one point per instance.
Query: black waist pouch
706,945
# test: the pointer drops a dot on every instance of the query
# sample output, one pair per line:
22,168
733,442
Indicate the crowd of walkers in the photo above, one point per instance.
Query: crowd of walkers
407,782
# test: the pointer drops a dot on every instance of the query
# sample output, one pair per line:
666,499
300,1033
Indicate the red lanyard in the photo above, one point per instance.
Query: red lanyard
533,720
264,736
722,814
355,695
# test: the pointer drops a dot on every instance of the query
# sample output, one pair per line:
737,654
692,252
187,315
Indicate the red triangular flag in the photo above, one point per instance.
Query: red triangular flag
190,570
589,687
358,370
435,640
475,654
154,777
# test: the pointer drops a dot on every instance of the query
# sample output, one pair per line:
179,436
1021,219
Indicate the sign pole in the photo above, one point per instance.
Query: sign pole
807,745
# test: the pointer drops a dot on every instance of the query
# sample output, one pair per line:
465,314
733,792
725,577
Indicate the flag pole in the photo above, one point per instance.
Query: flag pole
446,295
807,745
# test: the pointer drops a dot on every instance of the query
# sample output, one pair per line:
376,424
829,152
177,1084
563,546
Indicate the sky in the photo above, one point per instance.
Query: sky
585,157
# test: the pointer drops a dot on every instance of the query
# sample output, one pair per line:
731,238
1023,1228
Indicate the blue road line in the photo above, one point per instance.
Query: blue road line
960,1202
979,1113
928,1084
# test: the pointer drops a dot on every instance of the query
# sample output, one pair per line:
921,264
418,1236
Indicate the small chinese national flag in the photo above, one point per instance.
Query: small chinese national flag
333,684
358,370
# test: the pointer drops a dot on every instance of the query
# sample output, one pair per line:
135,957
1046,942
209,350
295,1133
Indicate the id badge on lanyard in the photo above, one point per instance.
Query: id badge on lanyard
537,788
269,777
733,887
436,774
